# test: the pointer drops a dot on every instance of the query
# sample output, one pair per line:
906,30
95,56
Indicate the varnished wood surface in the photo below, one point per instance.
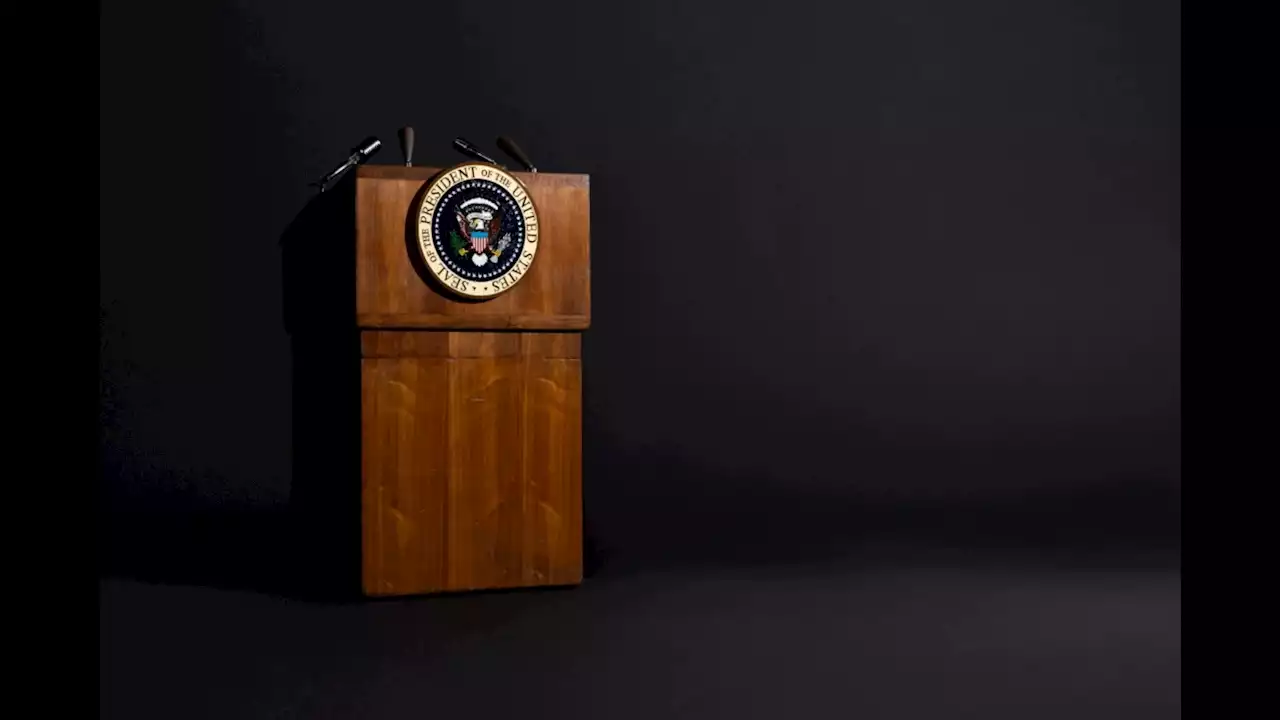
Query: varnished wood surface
392,290
532,321
382,343
472,460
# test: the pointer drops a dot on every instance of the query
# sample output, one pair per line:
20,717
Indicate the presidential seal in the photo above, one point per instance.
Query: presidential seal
477,230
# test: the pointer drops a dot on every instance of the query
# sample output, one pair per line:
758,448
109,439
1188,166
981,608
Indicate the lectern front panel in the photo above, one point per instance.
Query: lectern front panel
472,460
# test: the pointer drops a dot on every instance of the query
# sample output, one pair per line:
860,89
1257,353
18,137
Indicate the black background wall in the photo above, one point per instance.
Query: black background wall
882,392
859,269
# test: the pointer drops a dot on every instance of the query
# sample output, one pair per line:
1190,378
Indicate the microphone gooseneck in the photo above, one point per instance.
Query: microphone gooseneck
465,147
359,155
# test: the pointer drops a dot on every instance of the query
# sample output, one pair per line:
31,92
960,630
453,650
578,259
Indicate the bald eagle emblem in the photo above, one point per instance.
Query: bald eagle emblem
477,230
478,234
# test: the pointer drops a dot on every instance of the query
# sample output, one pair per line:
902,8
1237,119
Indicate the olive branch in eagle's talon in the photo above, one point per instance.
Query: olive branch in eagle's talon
459,245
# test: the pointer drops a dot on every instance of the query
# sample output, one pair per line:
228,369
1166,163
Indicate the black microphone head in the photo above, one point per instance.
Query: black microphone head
367,148
463,146
509,146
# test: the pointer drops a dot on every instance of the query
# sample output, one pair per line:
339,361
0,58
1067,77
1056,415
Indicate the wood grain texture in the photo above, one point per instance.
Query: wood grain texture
476,322
471,412
392,287
472,460
405,481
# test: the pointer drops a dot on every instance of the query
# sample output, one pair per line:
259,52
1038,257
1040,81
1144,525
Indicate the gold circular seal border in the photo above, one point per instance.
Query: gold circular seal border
426,208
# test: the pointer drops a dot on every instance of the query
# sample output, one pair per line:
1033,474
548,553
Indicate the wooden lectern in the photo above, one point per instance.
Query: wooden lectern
470,412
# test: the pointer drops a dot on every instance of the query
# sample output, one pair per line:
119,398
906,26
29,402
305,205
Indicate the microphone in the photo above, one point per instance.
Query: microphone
466,148
509,146
359,155
406,145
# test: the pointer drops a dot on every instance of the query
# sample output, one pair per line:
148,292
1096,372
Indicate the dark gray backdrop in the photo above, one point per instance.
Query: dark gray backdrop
856,266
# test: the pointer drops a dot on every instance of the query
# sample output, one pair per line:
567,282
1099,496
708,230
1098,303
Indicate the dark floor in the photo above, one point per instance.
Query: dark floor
890,633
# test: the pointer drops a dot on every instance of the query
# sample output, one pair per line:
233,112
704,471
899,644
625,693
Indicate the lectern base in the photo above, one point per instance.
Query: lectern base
471,460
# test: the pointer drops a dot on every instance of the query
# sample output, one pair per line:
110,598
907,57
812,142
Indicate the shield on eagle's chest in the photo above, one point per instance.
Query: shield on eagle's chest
479,240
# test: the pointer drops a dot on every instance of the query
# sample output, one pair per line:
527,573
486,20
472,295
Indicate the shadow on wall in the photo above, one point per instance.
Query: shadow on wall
310,546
